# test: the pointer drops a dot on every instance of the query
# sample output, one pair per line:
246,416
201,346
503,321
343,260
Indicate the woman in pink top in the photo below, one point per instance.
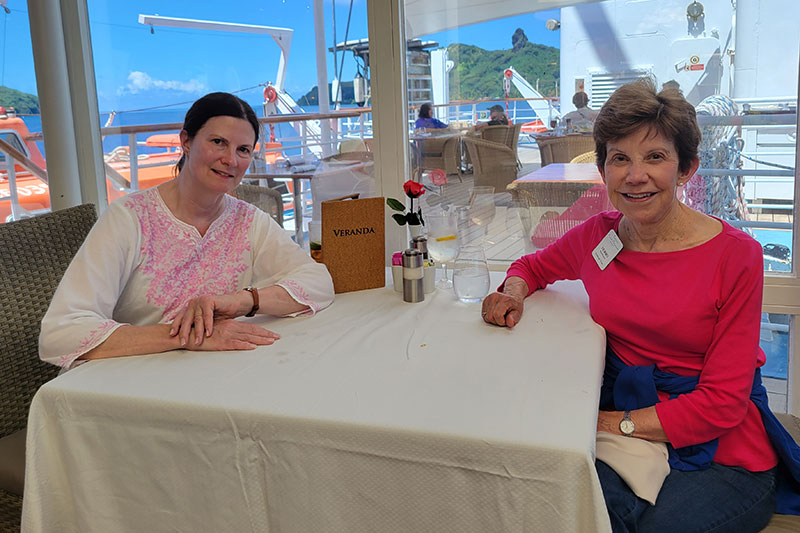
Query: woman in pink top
173,266
679,294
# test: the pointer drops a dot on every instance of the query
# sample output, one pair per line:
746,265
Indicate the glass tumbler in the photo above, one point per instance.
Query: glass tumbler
471,274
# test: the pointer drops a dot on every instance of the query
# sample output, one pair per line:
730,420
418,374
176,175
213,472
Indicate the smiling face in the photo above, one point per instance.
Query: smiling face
219,154
642,175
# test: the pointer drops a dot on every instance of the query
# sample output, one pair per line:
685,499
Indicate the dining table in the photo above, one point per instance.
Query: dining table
311,170
372,415
557,184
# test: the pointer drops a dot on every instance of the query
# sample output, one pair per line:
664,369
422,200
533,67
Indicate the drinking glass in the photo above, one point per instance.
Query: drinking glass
443,241
471,274
518,219
481,209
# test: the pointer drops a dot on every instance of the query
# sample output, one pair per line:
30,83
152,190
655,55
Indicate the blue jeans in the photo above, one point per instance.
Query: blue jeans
721,498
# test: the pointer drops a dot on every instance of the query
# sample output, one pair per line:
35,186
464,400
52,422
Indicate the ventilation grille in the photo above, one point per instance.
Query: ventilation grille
605,84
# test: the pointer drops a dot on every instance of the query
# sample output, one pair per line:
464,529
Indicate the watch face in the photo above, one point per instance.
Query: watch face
627,427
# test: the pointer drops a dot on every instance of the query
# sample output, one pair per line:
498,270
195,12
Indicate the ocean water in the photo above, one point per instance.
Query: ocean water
158,116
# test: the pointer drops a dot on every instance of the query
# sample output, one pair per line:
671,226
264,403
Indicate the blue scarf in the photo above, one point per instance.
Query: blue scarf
634,387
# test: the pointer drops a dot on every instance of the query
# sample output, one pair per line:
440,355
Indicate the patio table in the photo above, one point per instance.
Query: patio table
309,172
373,415
557,184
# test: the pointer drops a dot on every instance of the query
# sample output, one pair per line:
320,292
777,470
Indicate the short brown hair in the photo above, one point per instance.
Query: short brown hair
580,99
638,105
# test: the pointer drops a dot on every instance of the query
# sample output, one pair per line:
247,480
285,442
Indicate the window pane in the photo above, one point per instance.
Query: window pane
491,88
150,67
25,191
731,61
775,343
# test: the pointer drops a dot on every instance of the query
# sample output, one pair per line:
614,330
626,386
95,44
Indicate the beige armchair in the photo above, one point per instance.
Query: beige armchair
439,152
493,163
508,135
561,149
266,199
36,252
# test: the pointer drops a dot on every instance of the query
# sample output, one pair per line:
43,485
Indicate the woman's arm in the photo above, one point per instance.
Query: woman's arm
646,422
722,397
505,307
201,313
140,340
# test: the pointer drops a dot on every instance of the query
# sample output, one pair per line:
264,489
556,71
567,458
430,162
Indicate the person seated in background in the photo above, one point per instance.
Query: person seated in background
172,267
426,120
497,117
582,119
679,295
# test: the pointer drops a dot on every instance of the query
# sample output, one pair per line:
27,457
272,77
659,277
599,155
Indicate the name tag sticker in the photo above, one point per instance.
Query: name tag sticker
607,250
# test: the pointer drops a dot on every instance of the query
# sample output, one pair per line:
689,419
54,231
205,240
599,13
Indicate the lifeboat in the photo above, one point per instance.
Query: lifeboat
152,168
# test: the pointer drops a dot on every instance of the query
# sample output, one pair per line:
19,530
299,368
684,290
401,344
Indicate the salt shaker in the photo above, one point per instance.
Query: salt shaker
420,243
413,288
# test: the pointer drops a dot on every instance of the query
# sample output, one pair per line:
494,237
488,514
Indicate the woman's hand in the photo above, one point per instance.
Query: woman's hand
505,308
203,311
232,334
502,310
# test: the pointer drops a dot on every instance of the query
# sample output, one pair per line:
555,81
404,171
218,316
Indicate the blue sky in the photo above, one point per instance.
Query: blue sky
135,68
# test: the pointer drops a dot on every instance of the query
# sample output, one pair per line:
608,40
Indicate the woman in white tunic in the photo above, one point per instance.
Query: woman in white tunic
173,266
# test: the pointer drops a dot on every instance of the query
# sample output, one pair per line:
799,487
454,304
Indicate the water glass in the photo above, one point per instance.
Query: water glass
443,241
482,209
471,274
518,219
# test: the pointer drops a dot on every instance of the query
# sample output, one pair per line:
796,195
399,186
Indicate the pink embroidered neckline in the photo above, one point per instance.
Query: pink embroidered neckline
183,265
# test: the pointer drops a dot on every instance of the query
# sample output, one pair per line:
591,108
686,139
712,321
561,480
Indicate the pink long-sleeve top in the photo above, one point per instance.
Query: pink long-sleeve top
690,312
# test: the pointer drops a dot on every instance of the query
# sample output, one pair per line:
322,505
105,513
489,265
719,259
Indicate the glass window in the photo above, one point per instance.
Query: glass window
20,120
152,61
731,62
775,343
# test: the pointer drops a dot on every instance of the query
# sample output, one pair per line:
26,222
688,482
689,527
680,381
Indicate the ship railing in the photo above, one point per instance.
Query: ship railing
466,113
347,123
11,158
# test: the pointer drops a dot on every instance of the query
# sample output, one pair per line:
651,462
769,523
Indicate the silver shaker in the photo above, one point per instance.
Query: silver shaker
420,243
413,287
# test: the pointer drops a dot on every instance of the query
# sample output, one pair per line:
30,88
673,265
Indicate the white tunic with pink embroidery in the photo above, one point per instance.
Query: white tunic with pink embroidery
140,265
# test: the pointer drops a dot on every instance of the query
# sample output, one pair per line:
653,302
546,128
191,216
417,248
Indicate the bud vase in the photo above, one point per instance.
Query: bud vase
415,230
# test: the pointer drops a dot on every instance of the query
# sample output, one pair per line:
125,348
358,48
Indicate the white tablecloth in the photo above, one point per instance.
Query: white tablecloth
372,416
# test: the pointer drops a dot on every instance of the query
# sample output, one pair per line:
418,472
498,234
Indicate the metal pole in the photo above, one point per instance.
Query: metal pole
322,76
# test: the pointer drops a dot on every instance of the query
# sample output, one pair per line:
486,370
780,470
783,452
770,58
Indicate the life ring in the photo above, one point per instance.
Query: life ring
270,94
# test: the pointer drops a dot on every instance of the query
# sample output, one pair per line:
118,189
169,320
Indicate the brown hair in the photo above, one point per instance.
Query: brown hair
638,105
580,99
215,105
425,111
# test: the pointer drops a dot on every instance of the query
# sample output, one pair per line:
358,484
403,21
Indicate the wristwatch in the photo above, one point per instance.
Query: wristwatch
626,426
254,292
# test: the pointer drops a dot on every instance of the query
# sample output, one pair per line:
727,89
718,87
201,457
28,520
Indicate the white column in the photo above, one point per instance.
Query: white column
52,80
389,103
83,95
322,75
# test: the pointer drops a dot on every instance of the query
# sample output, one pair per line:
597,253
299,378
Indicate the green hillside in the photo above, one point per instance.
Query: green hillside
22,102
479,73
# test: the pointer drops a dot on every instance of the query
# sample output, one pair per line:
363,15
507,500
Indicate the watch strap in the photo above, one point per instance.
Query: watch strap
254,293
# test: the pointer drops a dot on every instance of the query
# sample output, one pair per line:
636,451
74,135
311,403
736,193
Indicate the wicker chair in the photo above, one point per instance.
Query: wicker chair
492,163
586,157
562,149
439,153
508,135
266,199
782,523
35,254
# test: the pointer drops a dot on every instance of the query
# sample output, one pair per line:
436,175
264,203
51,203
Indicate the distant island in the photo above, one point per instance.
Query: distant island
24,103
478,73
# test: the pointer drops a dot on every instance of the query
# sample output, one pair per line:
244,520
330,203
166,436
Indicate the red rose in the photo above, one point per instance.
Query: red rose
413,189
438,177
